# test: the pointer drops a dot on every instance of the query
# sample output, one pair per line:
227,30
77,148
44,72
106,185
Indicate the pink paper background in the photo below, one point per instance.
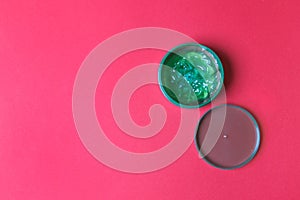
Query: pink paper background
42,45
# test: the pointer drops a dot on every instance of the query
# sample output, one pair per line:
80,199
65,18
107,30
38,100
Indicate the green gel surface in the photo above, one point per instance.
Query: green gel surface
191,75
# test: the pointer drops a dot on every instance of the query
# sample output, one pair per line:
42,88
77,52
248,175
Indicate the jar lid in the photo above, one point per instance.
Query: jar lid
227,137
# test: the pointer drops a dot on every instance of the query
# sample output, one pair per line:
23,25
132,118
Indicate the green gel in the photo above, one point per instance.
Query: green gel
191,75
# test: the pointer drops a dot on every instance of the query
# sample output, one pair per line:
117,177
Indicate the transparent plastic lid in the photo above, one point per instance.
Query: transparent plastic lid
227,137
